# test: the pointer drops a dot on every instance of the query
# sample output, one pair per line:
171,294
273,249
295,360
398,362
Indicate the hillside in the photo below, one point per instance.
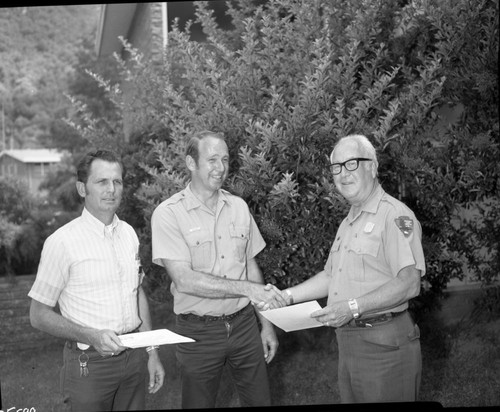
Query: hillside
38,48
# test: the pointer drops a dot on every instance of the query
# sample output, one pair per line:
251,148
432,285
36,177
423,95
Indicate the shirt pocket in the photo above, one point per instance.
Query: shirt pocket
239,240
200,246
332,262
364,250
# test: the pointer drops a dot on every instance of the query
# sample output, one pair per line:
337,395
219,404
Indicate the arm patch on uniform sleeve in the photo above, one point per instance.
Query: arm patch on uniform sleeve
405,224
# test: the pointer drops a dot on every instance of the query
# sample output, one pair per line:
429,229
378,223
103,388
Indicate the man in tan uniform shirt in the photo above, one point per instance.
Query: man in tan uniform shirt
373,270
207,240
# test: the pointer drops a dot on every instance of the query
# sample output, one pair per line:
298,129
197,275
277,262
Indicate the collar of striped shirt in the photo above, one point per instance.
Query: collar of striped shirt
98,226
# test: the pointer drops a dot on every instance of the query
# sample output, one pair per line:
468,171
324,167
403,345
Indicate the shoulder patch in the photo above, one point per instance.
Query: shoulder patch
405,224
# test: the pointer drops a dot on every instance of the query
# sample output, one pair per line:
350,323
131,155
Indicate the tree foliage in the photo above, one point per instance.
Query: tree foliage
38,48
289,80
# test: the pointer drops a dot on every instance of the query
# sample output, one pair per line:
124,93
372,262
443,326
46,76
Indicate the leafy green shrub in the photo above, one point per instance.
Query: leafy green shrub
287,82
25,222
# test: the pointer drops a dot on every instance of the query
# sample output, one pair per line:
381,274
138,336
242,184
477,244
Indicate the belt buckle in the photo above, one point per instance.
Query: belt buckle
360,323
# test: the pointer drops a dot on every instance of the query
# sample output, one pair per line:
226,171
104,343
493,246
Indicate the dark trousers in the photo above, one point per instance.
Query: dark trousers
381,363
116,383
235,342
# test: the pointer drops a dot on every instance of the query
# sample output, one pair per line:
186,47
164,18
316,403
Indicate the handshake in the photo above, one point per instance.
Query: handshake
268,296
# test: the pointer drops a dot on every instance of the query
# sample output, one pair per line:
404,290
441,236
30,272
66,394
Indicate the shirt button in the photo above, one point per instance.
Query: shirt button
340,270
335,293
222,257
220,237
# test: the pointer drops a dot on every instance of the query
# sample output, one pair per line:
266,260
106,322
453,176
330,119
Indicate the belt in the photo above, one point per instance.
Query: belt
208,318
370,321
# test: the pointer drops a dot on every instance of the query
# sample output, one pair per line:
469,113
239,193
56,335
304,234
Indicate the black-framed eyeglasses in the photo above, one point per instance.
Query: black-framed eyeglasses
350,165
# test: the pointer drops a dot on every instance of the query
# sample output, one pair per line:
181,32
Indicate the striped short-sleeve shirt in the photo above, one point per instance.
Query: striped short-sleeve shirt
92,271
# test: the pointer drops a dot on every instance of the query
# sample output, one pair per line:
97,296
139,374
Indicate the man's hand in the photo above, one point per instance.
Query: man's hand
334,315
106,342
269,341
266,297
156,372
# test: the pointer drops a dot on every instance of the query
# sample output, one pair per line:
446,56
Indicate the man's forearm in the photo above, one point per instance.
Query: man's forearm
47,320
313,288
394,293
144,312
205,285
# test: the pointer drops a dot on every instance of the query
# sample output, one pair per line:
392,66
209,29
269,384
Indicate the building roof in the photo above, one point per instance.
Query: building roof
115,20
34,155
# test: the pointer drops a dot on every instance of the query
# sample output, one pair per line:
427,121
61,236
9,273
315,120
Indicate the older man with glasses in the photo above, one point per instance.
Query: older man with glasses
373,270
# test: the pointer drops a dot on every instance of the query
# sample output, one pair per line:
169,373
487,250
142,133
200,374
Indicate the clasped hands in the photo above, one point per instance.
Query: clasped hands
268,296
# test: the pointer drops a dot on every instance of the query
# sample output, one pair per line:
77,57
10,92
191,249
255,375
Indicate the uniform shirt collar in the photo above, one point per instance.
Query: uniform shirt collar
97,226
371,204
193,202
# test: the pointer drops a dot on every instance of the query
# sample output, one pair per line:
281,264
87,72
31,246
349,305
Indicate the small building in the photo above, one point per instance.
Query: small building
30,166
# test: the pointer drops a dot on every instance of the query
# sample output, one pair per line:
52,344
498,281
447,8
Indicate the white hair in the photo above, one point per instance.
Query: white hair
363,143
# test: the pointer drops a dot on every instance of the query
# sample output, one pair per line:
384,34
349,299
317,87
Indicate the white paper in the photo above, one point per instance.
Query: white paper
152,337
294,317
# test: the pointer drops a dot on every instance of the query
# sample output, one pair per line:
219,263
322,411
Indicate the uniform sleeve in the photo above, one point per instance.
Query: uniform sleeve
52,274
403,242
166,237
256,242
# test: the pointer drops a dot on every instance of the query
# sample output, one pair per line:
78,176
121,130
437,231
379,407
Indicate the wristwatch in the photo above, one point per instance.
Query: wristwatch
289,294
353,305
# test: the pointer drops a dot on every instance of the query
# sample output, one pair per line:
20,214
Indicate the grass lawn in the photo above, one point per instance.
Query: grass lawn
461,368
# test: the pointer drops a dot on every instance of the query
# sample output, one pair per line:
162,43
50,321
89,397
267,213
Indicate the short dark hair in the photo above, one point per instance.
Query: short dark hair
192,148
83,168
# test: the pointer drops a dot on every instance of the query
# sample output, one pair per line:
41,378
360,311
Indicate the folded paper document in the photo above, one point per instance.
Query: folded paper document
152,337
294,317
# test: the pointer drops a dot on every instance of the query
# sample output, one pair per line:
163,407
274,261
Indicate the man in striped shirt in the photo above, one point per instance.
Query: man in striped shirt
90,267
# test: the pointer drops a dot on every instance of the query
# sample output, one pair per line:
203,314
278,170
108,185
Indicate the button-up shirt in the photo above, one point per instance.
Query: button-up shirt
371,247
92,271
218,243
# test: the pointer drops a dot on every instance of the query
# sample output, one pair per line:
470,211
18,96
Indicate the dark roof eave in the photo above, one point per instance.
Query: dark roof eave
115,20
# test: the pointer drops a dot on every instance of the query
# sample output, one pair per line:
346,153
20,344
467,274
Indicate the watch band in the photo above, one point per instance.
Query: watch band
353,306
289,294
